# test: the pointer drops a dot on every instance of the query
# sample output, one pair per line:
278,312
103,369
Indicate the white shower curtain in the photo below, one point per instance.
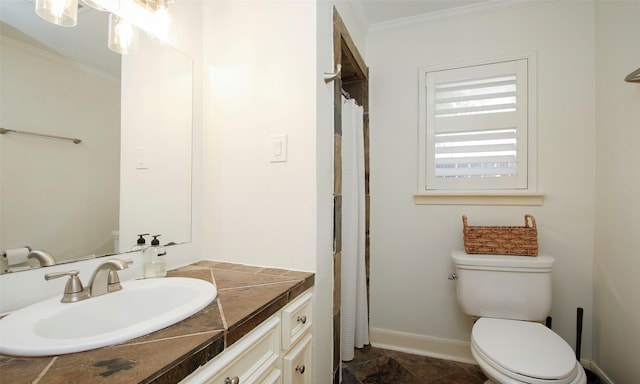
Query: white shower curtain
354,322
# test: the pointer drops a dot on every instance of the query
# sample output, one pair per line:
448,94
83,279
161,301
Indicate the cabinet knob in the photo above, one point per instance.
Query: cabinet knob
234,380
300,368
302,319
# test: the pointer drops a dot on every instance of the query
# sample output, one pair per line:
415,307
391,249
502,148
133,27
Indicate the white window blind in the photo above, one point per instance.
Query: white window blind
474,124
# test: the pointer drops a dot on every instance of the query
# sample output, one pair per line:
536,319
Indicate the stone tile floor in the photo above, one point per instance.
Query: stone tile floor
379,366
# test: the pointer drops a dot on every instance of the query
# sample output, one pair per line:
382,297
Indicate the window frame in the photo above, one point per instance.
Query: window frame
531,135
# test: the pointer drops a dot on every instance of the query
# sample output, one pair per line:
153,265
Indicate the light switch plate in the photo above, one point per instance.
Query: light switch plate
278,148
142,157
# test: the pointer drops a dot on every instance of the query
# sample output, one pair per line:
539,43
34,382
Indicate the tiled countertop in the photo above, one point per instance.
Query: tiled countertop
246,297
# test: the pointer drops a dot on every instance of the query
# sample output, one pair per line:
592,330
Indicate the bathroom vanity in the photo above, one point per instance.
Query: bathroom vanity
258,328
277,351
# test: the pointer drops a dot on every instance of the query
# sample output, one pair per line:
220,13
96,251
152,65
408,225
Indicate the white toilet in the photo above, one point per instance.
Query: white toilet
511,295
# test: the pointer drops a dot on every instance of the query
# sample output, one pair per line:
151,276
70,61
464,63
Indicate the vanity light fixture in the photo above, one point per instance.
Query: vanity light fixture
59,12
125,17
123,35
160,20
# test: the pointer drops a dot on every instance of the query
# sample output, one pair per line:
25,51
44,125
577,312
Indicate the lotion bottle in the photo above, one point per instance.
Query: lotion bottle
150,262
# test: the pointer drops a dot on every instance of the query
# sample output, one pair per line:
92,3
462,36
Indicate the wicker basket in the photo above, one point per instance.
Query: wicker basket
521,241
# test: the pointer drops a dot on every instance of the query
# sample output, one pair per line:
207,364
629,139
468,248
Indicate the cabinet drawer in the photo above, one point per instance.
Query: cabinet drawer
275,377
254,359
296,319
297,363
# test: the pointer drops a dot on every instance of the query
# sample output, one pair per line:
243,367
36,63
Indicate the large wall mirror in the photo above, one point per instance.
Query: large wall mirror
131,172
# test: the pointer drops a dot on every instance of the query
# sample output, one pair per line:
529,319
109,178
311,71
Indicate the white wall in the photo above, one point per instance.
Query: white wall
616,312
411,244
261,81
261,66
155,175
187,33
323,300
352,17
264,65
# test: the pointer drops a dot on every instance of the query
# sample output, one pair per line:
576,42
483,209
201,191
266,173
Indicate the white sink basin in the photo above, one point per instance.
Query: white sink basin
141,307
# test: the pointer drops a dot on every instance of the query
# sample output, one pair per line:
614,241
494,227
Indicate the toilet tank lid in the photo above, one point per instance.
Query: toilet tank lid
461,259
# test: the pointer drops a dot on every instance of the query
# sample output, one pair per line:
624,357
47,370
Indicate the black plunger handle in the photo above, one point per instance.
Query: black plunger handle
579,333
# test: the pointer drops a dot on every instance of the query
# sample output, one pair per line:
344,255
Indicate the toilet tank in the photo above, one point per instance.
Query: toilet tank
505,287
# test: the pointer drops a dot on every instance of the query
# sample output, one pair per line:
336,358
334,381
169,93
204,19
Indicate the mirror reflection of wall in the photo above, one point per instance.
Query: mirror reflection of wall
67,198
156,145
56,195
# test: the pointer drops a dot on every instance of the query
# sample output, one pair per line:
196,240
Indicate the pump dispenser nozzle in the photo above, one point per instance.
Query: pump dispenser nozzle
141,239
156,243
140,244
154,266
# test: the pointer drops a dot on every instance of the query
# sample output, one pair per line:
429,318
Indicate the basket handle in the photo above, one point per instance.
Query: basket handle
533,221
464,221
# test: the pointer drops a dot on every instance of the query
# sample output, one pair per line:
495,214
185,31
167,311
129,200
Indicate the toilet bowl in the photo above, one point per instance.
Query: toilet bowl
513,351
510,296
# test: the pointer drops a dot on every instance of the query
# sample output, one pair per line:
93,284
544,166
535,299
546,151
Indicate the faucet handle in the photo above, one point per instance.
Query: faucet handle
55,275
113,281
73,290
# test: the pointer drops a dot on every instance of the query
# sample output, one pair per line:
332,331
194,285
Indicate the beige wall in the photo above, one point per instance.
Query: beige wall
616,331
83,179
411,244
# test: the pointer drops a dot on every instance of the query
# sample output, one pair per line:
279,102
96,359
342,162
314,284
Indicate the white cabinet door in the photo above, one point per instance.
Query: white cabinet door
296,320
297,363
273,353
254,359
275,377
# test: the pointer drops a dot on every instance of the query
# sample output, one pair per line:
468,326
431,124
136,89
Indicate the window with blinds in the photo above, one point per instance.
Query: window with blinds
474,127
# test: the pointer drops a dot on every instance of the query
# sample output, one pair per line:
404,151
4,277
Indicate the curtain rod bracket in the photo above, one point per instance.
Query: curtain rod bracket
329,77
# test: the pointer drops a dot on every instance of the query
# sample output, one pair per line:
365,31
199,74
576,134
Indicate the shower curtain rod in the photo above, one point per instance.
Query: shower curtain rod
633,77
4,130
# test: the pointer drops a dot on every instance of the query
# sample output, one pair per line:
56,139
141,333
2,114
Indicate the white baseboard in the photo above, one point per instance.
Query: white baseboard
440,348
446,349
594,367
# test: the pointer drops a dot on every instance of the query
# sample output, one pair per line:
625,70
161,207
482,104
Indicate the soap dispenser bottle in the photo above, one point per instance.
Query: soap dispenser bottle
161,266
150,262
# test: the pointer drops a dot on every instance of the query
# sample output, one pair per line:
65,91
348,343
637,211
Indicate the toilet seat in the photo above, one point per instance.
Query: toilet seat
525,351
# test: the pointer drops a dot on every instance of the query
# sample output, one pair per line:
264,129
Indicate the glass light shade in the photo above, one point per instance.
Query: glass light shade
103,5
123,36
60,12
161,21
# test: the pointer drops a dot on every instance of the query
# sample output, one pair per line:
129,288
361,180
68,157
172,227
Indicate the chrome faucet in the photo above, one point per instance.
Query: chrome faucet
105,278
44,258
73,291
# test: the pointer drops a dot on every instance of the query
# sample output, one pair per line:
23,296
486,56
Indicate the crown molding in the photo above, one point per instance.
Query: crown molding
492,5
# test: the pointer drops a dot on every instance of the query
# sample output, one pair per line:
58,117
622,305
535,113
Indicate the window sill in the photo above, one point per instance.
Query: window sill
479,198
